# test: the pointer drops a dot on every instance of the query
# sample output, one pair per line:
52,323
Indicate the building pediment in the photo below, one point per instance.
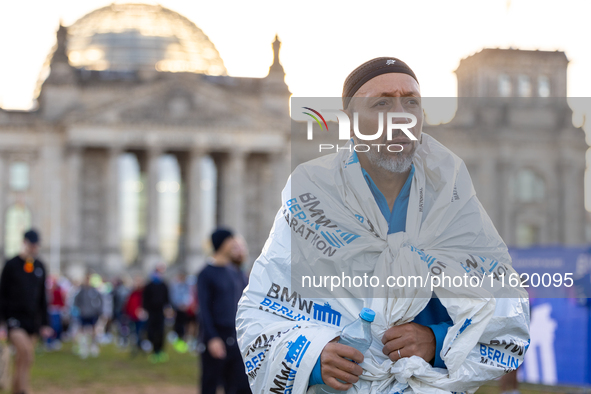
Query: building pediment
184,102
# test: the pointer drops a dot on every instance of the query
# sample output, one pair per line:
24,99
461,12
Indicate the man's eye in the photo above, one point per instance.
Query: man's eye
382,102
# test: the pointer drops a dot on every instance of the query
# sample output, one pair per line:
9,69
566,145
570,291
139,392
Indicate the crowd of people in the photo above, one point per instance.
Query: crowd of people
136,312
131,311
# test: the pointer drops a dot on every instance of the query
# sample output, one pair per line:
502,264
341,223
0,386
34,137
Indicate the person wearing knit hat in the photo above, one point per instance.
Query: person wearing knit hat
219,287
370,70
23,307
367,194
378,86
219,236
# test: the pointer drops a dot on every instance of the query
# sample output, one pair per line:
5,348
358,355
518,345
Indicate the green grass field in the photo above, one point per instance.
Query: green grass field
116,372
113,368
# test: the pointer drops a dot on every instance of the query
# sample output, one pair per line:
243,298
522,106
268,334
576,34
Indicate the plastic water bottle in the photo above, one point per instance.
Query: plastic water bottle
357,335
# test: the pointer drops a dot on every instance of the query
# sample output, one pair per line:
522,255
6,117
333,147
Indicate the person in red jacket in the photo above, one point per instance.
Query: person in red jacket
56,305
136,312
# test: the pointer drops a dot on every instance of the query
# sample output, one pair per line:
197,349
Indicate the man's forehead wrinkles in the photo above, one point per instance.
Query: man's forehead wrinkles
389,93
399,94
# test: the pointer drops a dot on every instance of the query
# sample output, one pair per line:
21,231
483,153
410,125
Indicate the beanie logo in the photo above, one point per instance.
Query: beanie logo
389,62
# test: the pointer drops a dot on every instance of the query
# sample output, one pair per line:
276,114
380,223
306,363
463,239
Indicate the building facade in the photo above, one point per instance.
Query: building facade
134,83
514,130
141,81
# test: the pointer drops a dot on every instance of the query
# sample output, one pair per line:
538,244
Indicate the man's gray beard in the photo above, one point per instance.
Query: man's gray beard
396,164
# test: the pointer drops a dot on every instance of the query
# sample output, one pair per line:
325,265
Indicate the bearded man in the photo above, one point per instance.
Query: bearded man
405,208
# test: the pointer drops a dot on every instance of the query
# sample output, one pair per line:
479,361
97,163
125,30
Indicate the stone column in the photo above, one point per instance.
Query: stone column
72,210
281,166
579,180
277,179
552,201
487,193
573,232
506,227
3,188
234,207
49,202
194,237
152,253
112,235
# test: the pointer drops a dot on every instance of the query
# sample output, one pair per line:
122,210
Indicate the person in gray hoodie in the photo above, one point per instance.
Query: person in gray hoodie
89,303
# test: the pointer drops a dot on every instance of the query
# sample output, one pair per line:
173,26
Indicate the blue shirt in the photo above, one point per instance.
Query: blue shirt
180,294
434,315
397,217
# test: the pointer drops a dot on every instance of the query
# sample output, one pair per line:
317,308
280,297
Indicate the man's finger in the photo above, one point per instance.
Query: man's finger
335,384
394,344
334,361
393,333
398,354
349,352
344,376
347,366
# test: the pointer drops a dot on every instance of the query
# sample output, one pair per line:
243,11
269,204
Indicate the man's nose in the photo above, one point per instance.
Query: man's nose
397,107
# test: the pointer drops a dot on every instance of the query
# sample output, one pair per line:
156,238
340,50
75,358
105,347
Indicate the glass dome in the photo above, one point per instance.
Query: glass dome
129,37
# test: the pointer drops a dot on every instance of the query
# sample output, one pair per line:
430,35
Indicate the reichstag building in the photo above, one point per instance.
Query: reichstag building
141,144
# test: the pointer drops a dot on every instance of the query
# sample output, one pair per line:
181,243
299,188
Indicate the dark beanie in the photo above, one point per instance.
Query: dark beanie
32,236
219,236
371,69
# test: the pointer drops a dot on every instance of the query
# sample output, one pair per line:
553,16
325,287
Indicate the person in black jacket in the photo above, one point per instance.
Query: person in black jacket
155,301
23,307
219,288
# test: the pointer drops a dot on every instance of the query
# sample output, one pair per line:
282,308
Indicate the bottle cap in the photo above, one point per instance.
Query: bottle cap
367,314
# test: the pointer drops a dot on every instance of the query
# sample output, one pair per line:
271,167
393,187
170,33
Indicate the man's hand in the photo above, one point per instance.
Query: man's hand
333,365
46,332
142,314
411,339
217,348
169,312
